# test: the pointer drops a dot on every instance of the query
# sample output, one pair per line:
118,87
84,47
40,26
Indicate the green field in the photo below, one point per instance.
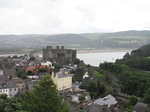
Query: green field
97,74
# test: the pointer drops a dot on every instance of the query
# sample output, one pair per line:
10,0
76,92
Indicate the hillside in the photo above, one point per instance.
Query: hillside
117,40
138,59
133,73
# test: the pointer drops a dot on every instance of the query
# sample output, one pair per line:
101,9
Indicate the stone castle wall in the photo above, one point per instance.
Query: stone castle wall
59,55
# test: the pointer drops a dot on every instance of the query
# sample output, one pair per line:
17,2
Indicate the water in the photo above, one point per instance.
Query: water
95,59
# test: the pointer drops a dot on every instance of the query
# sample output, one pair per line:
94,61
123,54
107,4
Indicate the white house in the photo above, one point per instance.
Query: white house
7,86
86,75
47,63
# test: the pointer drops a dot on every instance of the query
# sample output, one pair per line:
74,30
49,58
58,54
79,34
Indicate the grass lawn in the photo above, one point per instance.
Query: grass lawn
97,74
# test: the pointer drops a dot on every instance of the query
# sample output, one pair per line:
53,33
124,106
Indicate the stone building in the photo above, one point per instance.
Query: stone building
59,55
9,69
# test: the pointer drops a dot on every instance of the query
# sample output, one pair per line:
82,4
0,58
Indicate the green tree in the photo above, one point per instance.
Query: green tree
10,104
133,100
82,98
73,79
42,70
15,56
44,98
147,96
30,73
93,89
76,61
32,58
129,109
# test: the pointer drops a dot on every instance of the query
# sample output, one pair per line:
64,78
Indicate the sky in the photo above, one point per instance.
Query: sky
73,16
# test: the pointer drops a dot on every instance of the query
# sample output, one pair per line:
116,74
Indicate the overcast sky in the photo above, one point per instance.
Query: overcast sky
73,16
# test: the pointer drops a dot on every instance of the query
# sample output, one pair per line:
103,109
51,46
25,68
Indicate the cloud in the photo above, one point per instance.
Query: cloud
72,16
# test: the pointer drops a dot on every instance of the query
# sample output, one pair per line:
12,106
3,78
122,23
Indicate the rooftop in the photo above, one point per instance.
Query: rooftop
63,74
5,82
108,100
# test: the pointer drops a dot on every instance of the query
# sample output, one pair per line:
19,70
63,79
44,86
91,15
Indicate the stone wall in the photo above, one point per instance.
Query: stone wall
59,55
9,69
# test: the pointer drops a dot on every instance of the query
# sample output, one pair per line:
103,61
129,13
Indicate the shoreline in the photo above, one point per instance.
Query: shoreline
101,51
78,52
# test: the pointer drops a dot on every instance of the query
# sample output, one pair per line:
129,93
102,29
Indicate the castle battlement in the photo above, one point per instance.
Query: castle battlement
59,54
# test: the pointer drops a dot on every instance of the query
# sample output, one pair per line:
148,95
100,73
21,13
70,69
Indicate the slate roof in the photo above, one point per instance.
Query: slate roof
61,74
6,83
1,72
108,100
140,107
98,108
34,82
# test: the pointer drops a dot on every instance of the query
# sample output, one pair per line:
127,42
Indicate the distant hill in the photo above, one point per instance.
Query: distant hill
117,40
135,33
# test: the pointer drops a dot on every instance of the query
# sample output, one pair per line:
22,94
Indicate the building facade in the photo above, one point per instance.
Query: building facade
7,86
59,55
62,79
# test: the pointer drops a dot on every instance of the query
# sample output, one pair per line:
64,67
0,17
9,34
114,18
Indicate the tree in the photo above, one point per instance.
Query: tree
44,98
30,72
15,56
93,89
42,70
133,100
129,109
10,104
32,58
82,98
147,96
76,61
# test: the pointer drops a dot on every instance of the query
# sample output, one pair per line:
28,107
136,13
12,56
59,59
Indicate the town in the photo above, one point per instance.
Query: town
75,81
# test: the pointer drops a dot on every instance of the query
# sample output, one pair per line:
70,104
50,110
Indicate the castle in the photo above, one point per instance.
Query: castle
60,56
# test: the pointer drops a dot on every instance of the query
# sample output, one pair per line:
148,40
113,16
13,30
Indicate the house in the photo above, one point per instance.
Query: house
20,84
35,69
140,107
47,63
86,75
98,108
108,100
7,86
31,84
62,79
9,69
38,67
30,68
